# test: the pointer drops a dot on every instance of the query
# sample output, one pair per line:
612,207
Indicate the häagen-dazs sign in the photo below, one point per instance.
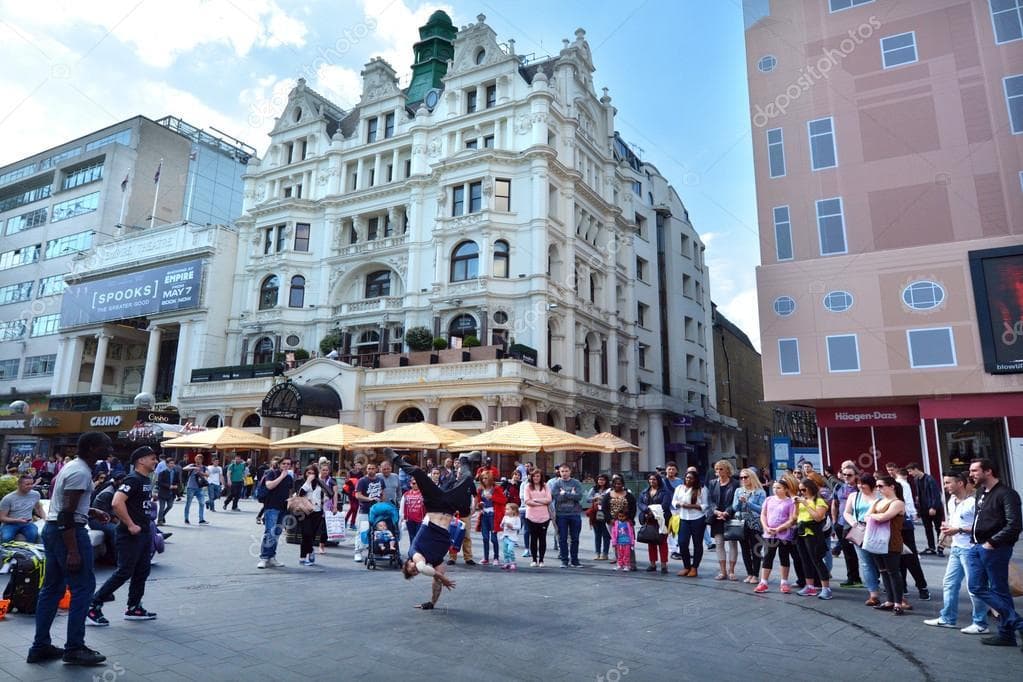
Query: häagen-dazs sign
156,290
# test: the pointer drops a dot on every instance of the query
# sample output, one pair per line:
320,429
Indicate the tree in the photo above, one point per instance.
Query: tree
440,343
329,342
470,341
419,339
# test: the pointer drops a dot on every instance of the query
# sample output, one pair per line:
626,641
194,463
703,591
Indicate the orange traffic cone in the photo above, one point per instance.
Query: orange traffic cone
65,602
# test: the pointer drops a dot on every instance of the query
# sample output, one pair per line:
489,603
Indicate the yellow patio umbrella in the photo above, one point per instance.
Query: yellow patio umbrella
223,438
527,436
613,442
418,436
336,437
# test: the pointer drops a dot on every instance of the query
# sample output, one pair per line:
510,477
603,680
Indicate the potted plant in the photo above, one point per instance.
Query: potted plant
419,339
440,343
470,342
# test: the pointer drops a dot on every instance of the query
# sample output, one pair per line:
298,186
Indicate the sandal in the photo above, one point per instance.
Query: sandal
721,576
887,606
873,601
734,578
898,611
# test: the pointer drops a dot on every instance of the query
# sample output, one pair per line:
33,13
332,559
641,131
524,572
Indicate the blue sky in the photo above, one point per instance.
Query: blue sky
675,70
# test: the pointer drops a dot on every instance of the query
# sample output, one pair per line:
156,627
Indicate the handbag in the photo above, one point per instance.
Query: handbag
649,534
735,529
855,534
248,480
752,523
877,536
335,524
300,505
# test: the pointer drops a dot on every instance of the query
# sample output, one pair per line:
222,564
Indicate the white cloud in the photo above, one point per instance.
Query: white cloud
397,28
159,32
340,84
742,310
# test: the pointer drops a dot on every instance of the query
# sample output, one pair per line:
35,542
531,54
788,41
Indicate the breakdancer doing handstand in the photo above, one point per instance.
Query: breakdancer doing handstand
430,546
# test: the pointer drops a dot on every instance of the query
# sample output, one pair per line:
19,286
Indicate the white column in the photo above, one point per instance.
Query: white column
182,367
103,342
360,171
152,360
342,181
73,366
58,365
395,169
654,454
377,179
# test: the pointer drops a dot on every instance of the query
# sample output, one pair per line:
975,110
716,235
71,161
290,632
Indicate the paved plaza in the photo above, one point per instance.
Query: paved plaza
220,618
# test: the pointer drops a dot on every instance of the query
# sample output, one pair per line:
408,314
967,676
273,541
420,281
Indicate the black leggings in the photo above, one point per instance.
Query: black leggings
537,539
889,567
910,563
309,526
435,499
782,548
750,546
811,553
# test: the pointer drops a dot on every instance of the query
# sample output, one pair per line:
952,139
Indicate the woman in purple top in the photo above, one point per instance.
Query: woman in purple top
779,519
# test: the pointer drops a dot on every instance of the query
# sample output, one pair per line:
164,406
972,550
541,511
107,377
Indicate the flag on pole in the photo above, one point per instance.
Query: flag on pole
156,178
124,183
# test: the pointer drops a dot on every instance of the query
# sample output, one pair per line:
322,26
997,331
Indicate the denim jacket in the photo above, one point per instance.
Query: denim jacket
754,501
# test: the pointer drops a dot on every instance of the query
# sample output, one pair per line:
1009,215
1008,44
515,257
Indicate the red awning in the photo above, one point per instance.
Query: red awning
973,406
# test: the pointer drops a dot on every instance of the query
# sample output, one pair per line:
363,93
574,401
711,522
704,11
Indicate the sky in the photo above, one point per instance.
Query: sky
675,70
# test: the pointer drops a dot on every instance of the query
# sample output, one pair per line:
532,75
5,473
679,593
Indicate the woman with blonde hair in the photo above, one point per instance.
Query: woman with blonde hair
720,495
748,502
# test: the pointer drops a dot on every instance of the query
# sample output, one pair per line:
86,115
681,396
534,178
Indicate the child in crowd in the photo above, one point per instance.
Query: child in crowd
384,539
510,526
624,536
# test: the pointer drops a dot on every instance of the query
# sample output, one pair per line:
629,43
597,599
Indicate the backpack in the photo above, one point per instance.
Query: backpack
27,567
261,490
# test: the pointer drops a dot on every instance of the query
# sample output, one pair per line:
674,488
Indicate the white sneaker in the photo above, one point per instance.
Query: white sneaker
532,564
974,629
261,564
357,557
273,563
938,623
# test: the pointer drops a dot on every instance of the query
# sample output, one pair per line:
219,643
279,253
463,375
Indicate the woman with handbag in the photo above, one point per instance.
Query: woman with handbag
690,499
306,505
812,528
885,517
857,506
332,503
619,499
196,488
720,495
655,509
746,505
598,522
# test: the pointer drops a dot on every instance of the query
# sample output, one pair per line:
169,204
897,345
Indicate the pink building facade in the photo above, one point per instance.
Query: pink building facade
888,146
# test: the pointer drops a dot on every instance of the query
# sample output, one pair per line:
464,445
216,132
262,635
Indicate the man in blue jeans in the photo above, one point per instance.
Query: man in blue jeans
996,528
279,483
69,556
567,493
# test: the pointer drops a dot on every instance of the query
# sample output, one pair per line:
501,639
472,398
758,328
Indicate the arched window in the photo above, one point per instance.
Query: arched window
378,284
264,351
213,422
251,421
462,326
296,299
465,262
466,413
501,258
268,292
593,288
410,415
586,360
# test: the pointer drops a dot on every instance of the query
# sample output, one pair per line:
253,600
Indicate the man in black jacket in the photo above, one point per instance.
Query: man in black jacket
929,505
168,485
996,527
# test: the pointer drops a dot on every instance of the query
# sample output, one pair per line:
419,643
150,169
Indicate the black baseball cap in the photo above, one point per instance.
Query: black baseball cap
141,452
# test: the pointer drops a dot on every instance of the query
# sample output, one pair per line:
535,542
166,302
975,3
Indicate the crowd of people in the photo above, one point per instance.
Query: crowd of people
803,519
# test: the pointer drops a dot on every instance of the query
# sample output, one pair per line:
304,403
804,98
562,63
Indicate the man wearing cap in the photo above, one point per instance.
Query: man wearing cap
134,540
486,466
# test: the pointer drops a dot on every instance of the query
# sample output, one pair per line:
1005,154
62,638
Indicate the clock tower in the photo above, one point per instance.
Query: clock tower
432,53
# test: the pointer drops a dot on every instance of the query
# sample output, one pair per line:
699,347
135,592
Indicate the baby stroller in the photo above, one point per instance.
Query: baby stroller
378,548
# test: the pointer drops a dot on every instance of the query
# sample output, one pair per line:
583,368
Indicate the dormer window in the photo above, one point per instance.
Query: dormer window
481,55
297,115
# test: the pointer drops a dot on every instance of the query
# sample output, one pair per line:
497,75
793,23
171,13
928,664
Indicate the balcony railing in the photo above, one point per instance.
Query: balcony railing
369,305
375,245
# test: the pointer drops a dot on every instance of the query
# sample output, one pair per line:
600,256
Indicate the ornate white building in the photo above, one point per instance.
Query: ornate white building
493,199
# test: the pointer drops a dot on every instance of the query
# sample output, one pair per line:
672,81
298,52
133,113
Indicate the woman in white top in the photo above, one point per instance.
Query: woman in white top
690,499
316,493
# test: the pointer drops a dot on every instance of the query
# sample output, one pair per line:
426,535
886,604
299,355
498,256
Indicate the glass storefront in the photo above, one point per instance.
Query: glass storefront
962,440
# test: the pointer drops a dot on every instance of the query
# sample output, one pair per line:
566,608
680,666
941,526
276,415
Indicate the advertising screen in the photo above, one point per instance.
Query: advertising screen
998,293
135,294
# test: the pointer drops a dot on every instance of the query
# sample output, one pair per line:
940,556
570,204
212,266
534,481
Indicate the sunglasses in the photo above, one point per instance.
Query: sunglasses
848,475
742,477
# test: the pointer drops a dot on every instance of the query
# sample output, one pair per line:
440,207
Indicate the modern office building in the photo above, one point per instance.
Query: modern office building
888,145
64,213
490,208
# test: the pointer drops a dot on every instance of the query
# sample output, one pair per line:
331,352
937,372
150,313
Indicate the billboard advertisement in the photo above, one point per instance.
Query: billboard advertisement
135,294
998,294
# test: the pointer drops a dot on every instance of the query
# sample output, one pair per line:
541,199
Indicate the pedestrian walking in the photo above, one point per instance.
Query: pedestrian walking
235,481
168,483
196,487
134,541
278,483
307,508
214,480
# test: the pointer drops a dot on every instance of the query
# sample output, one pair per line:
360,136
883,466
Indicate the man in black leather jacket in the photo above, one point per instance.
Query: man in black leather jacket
996,527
